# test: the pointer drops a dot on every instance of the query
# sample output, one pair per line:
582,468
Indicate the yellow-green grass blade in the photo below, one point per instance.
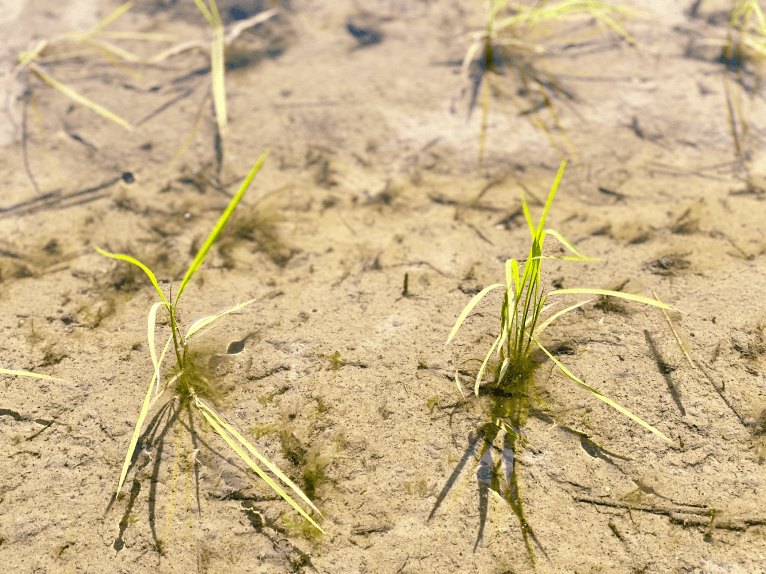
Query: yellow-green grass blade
70,93
468,308
202,253
243,455
205,12
271,466
148,272
555,316
675,334
504,367
165,54
516,275
159,363
566,243
169,382
457,373
510,276
218,70
28,374
27,57
150,339
216,17
108,20
146,36
511,430
549,201
236,29
494,8
607,292
112,49
457,382
606,399
205,321
527,215
190,138
136,434
470,54
484,366
609,21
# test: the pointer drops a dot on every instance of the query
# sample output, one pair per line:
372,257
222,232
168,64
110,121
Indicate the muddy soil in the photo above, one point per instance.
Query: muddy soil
366,232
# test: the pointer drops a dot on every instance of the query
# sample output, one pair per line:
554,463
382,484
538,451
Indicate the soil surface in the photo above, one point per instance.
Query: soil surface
366,232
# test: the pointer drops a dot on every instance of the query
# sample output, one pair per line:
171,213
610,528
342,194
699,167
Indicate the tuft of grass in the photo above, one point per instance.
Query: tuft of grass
33,62
191,389
505,60
524,314
221,39
745,44
48,51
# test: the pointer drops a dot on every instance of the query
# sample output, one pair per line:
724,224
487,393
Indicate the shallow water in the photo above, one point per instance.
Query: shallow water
338,372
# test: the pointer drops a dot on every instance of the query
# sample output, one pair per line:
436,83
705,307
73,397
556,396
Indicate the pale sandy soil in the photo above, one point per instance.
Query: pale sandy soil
344,380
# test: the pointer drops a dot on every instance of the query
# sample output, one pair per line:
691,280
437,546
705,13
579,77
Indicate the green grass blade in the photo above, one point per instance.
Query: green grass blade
550,199
607,400
109,19
205,12
552,318
150,339
270,465
468,308
205,321
204,409
70,93
216,17
457,381
114,50
606,292
569,246
516,274
484,366
28,374
136,434
202,253
130,259
510,430
527,215
27,57
504,367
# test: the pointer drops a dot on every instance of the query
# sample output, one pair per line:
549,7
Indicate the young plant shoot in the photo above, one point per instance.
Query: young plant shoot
189,388
524,304
506,60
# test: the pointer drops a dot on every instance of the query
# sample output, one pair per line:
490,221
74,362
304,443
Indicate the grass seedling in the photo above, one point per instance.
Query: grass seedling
524,315
189,387
221,39
745,42
524,305
66,46
505,61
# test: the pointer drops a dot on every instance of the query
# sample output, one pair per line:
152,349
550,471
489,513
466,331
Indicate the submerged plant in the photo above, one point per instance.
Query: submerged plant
505,61
221,40
524,316
191,389
745,43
